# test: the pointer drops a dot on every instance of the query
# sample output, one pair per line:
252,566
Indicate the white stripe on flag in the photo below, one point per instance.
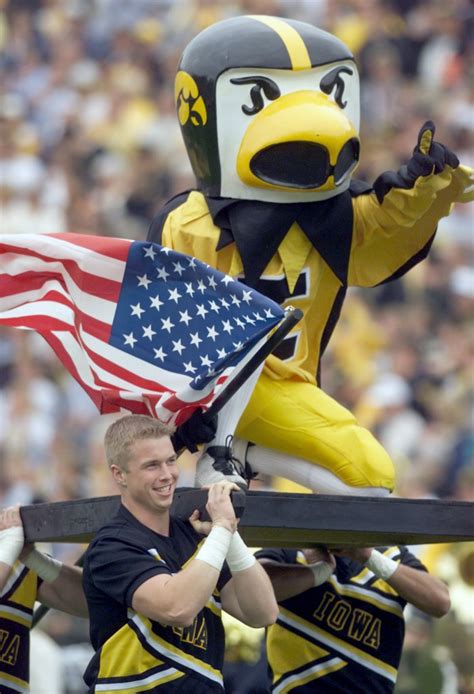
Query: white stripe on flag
87,259
92,304
134,365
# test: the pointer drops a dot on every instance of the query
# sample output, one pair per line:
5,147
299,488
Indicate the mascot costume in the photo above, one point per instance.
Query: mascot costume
269,111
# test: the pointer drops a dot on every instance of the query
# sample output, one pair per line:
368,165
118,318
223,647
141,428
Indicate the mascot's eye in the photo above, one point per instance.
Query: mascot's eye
260,84
334,79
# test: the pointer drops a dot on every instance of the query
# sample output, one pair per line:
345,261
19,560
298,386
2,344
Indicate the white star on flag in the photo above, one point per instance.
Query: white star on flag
150,252
167,325
159,353
156,303
143,281
178,346
149,332
130,340
137,310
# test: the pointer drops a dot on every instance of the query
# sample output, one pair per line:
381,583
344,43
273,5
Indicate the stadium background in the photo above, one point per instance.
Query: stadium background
90,143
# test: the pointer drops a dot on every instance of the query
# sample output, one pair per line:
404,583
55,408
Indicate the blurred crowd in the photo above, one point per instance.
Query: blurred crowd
90,143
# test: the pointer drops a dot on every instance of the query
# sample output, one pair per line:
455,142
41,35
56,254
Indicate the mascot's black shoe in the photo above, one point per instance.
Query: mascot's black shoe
218,463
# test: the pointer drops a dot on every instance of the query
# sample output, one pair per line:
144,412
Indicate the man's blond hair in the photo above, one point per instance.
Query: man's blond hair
122,433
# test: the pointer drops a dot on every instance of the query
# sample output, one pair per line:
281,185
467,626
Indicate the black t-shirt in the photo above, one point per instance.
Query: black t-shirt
123,555
344,635
17,599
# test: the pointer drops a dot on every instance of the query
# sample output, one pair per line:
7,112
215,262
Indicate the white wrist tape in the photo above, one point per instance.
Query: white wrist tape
239,557
11,544
215,547
44,566
321,572
380,565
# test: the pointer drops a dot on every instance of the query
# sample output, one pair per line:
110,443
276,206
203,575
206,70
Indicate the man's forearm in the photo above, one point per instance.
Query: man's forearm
425,592
65,592
288,580
254,594
184,594
176,599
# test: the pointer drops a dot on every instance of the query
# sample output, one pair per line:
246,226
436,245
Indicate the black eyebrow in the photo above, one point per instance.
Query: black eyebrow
269,87
333,78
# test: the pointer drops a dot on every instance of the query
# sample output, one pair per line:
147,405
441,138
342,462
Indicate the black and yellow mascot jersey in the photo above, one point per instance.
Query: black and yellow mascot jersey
269,111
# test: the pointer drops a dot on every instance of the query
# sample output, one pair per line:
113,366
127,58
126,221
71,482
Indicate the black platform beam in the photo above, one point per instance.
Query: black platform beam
273,519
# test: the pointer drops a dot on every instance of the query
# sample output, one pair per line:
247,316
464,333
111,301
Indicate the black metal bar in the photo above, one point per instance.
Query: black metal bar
79,520
305,520
293,316
284,520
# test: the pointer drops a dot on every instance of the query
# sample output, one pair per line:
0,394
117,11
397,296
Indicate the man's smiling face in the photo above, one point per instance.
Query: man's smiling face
149,481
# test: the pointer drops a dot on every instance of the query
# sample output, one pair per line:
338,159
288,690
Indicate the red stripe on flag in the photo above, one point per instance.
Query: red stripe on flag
85,281
112,402
43,321
65,358
124,374
105,245
174,404
15,284
91,325
94,327
107,400
31,322
184,408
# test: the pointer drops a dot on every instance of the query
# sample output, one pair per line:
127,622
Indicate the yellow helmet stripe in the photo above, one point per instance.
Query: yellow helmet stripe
295,45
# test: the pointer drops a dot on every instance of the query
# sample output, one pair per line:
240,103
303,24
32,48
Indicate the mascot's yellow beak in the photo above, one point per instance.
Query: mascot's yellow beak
301,141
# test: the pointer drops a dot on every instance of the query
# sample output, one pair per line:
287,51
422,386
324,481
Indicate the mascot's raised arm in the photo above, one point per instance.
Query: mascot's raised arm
269,111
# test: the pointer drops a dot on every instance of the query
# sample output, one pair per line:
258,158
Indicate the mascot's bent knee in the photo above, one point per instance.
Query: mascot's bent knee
269,111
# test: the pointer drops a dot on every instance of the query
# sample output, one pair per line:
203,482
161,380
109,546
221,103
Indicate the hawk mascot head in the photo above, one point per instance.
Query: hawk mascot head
269,110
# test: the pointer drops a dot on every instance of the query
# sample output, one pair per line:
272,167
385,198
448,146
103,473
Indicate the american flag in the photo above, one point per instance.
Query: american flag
141,327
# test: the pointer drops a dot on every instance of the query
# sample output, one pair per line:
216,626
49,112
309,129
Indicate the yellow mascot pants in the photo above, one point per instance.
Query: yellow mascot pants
299,419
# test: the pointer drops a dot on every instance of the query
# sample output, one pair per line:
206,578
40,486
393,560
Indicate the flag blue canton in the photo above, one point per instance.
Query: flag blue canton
180,314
